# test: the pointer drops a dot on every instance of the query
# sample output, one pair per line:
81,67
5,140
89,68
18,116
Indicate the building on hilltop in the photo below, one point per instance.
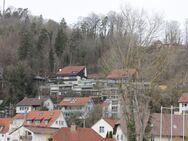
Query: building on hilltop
72,74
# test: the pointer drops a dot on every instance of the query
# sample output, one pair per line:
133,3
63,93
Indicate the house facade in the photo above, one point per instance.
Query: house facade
183,103
50,119
112,103
27,133
79,106
104,126
28,104
118,76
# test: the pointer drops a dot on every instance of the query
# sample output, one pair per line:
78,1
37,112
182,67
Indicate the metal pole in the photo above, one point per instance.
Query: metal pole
3,7
183,125
161,123
171,123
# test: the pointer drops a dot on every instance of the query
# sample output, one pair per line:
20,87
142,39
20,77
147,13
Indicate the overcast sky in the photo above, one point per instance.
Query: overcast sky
72,9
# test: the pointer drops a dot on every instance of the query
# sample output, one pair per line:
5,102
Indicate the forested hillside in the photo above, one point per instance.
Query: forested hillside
32,46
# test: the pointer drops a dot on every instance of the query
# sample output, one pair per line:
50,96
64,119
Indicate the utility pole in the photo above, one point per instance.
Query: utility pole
3,8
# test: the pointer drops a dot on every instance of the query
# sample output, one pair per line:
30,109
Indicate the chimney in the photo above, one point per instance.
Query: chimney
73,127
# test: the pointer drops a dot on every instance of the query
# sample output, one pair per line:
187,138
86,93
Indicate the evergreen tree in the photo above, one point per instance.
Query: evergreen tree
25,44
51,60
61,39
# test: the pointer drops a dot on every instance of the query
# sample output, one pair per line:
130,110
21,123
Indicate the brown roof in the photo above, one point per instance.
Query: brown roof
31,101
96,75
70,70
79,134
42,130
166,128
5,123
120,73
74,101
40,115
183,98
155,124
111,121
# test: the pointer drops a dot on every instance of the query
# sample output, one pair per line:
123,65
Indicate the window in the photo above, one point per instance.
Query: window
29,121
37,121
114,102
101,129
114,108
46,121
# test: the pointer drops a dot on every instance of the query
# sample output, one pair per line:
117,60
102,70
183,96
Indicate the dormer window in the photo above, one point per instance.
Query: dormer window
29,121
46,121
37,122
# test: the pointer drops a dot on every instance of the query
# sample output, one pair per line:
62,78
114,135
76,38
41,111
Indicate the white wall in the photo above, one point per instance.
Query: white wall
60,122
23,109
3,137
16,123
15,136
41,137
106,126
119,136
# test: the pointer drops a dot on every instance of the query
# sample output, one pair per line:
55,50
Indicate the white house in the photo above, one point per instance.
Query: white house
80,106
4,128
104,126
50,119
27,133
72,74
29,104
183,103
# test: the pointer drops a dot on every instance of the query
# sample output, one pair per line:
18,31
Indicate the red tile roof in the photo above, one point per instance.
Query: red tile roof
74,101
40,115
120,73
5,123
70,70
183,98
31,101
79,134
111,121
18,116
